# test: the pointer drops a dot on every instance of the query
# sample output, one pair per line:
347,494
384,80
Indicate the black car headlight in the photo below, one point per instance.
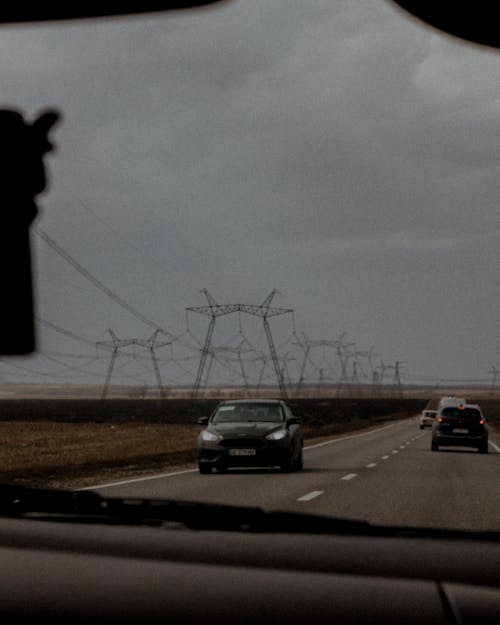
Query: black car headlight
277,435
209,437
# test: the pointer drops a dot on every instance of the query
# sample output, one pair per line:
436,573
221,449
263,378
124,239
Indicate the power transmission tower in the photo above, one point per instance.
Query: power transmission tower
343,356
373,374
380,377
354,375
116,344
285,372
307,344
264,311
238,351
213,310
396,379
369,355
494,373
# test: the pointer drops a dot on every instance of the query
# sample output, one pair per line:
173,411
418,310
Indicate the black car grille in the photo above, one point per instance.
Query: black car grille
243,442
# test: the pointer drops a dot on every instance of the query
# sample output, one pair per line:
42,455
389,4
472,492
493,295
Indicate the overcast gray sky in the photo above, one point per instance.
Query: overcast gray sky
336,151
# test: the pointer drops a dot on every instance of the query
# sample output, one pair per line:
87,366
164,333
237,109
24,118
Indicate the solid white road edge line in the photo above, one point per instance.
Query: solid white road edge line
138,479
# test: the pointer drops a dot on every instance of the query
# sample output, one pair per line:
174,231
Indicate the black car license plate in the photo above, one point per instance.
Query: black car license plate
242,452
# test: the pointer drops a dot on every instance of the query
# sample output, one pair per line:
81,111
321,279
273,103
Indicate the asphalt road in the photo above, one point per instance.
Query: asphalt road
386,476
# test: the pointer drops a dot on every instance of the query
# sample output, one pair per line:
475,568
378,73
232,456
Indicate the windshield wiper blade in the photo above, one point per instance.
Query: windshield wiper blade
90,507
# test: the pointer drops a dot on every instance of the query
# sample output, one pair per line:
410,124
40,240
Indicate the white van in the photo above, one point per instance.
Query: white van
451,400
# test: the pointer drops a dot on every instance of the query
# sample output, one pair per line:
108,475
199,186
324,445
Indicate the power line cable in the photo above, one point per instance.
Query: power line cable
60,330
149,259
95,281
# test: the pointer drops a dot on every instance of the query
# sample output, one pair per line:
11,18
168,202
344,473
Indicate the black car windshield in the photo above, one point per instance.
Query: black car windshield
260,413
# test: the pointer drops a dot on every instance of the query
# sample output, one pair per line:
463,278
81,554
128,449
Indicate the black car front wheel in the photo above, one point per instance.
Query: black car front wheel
293,463
299,463
203,467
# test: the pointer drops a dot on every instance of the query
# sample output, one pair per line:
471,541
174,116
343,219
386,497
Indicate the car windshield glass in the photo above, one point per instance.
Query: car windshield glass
265,201
248,412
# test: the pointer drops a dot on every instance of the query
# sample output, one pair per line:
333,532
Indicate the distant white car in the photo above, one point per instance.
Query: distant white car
427,418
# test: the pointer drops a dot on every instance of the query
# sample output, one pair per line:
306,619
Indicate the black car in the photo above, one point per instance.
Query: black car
257,433
460,426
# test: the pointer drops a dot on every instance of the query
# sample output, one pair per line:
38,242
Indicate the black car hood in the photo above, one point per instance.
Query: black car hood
248,428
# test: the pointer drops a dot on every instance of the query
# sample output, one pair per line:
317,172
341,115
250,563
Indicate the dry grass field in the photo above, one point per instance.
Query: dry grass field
58,454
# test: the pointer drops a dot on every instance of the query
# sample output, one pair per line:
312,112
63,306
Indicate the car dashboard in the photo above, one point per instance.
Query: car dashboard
75,571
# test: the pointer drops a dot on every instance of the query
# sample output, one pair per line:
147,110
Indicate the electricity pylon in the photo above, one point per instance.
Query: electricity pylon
373,374
344,356
116,344
238,350
308,344
264,311
396,378
494,373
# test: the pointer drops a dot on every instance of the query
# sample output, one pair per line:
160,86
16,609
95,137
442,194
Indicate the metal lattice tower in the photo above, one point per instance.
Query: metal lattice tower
373,373
396,378
494,373
344,356
116,344
358,367
380,374
308,344
264,311
237,351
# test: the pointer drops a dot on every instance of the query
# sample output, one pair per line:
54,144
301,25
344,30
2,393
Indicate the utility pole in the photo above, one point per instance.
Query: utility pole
396,379
116,344
307,344
212,310
494,373
264,311
238,350
343,356
373,374
383,367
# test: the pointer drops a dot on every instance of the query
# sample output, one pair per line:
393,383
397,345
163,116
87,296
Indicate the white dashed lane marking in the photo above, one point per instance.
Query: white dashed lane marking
312,495
349,476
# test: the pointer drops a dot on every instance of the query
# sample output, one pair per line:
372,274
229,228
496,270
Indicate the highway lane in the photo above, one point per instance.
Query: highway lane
387,475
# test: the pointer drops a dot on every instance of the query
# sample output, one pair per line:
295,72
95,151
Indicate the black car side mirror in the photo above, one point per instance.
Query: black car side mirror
294,421
203,420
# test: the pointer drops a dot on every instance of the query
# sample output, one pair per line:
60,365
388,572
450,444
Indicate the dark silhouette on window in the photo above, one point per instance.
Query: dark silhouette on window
22,177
